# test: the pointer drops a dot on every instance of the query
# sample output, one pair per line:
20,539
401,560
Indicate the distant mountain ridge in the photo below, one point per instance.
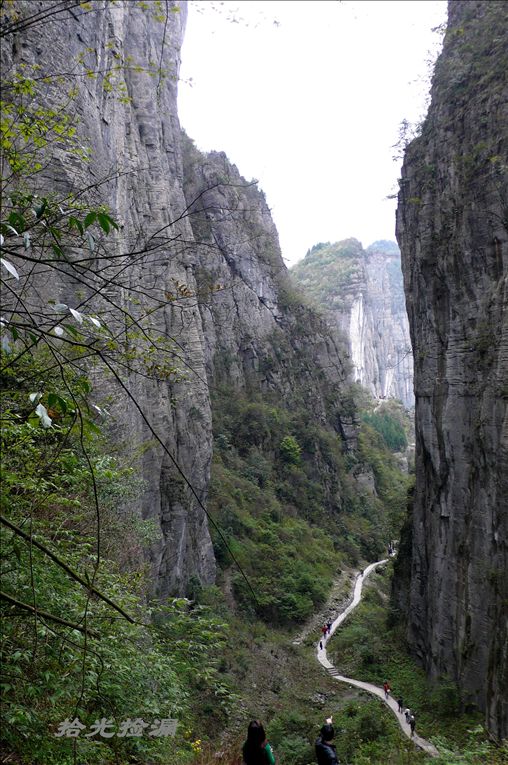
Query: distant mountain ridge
362,292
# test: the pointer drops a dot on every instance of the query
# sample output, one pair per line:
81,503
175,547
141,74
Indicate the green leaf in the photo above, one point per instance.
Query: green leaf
112,222
17,220
54,400
104,222
75,223
90,218
90,426
83,385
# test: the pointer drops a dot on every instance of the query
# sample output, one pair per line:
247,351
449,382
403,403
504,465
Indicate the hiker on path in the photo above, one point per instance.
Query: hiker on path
320,645
257,750
325,751
412,724
324,630
386,688
407,714
400,702
328,627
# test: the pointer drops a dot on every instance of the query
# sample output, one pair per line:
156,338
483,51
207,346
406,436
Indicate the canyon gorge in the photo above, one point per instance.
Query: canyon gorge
246,397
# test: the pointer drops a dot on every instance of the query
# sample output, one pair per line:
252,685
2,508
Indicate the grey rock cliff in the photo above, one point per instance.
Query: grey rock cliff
453,233
133,132
362,293
210,267
259,336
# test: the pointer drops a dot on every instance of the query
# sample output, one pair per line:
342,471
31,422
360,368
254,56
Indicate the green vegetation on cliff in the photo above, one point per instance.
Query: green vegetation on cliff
293,506
392,423
328,271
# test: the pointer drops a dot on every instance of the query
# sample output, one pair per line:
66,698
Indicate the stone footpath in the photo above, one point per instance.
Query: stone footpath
379,692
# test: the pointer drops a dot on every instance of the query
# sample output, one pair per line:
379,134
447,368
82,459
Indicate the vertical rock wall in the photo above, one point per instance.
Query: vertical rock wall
131,128
453,233
210,262
259,337
362,293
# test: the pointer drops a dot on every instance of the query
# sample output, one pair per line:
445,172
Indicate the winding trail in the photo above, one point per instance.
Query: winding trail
379,692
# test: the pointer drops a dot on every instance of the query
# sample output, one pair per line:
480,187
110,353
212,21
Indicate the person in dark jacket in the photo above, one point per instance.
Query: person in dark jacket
257,750
325,750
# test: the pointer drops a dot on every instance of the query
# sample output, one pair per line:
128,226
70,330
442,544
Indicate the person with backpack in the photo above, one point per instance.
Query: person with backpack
412,724
325,751
257,750
386,688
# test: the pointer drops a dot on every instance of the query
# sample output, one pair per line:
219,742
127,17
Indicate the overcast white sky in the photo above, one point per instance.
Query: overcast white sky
307,97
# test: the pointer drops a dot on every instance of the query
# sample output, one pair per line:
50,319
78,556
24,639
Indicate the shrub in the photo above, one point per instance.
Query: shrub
370,726
290,450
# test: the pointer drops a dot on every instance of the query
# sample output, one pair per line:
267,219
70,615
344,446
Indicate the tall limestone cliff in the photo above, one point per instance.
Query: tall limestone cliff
453,233
362,292
200,251
125,111
254,305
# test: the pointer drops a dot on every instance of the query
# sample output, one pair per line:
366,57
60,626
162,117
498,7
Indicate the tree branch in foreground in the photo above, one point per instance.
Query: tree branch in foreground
68,570
45,615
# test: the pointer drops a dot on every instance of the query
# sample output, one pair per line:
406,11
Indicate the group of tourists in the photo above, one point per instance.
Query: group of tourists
257,751
325,632
408,713
326,629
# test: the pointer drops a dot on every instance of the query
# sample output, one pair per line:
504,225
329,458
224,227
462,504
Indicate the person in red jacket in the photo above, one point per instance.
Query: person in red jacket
386,688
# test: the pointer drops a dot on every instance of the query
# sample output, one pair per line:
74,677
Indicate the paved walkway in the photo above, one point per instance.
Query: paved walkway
322,658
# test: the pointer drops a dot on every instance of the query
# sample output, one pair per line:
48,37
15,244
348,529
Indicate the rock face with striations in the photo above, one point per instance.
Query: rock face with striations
210,264
259,336
362,292
130,123
452,229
